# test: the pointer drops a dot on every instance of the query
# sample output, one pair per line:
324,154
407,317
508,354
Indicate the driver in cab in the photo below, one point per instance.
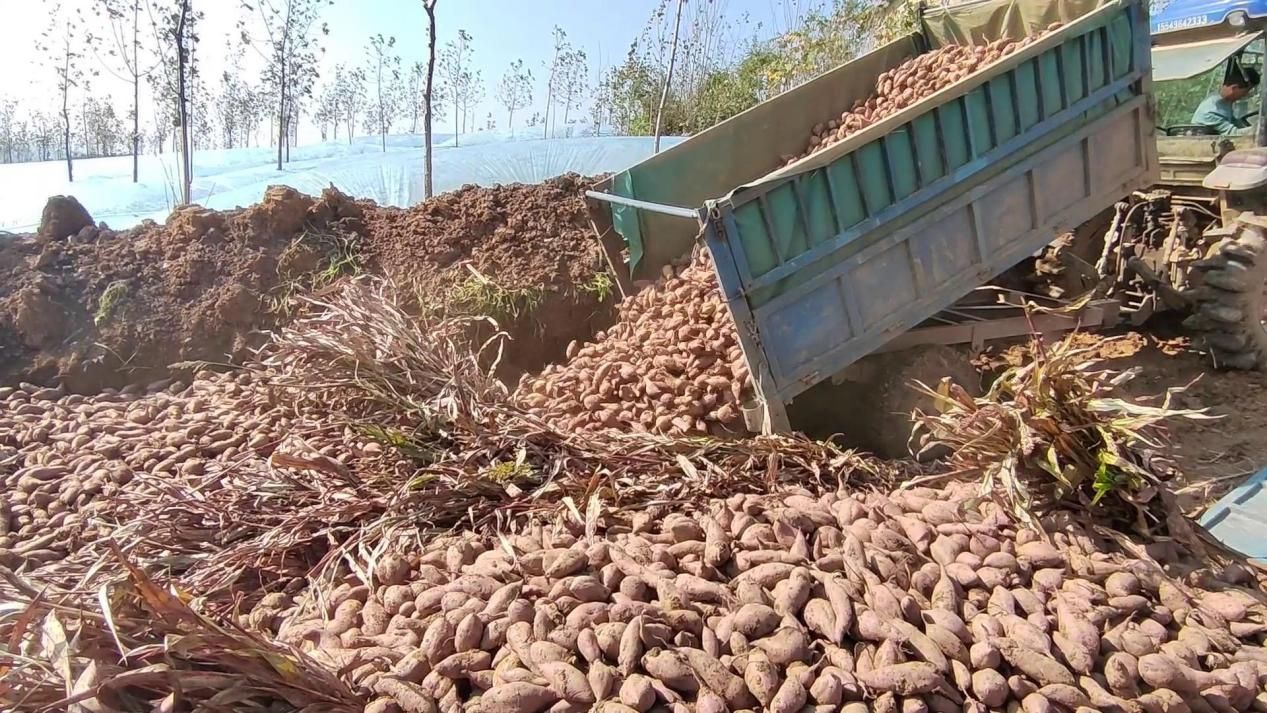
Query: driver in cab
1218,111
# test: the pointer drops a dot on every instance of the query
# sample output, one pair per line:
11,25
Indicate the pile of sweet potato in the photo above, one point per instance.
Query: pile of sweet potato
922,600
911,81
671,365
67,460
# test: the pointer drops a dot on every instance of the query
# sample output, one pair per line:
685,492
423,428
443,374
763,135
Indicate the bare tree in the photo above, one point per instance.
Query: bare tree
234,105
455,69
59,47
291,54
561,46
327,114
8,129
349,88
515,91
428,94
668,77
45,129
472,95
571,81
183,46
124,60
413,94
385,65
601,104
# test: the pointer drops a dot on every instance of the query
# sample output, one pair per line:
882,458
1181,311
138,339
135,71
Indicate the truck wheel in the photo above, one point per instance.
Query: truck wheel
1230,304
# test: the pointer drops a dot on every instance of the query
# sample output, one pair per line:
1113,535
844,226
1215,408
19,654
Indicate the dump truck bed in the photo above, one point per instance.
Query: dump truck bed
826,260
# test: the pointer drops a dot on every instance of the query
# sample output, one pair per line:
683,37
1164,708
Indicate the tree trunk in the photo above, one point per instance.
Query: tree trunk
136,94
430,7
510,122
281,118
382,114
182,111
668,78
70,165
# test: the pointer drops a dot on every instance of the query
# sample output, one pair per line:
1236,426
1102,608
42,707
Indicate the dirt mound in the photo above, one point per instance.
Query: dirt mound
96,308
119,307
63,217
523,254
527,235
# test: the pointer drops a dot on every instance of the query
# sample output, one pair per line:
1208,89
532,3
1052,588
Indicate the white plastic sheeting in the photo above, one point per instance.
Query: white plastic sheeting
237,177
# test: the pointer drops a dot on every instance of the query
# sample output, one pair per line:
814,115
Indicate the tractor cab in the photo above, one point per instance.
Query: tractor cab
1198,47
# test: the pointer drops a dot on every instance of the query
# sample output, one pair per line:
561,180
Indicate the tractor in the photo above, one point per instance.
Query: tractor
1196,243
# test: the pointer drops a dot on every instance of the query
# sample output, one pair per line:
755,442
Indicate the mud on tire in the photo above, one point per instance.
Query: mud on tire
1230,304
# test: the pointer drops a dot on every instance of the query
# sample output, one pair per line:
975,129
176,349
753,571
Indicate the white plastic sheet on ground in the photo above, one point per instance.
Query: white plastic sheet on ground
238,177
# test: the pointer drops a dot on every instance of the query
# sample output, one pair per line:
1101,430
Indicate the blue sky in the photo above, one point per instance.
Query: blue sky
503,30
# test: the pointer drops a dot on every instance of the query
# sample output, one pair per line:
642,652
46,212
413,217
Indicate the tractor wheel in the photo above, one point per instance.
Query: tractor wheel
1230,304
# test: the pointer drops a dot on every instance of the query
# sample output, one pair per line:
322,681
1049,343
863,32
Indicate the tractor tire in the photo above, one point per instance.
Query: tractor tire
1231,303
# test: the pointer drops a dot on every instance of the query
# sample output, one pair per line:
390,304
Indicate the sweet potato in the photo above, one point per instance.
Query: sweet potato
983,654
637,693
459,665
713,674
608,636
1227,605
904,679
602,679
410,697
587,644
820,617
1121,671
766,575
755,620
567,681
791,594
518,698
790,698
1163,700
1036,703
762,679
950,621
469,633
989,687
784,646
1043,669
828,688
1164,671
566,562
1040,554
1068,696
412,667
671,669
542,652
630,647
917,640
587,615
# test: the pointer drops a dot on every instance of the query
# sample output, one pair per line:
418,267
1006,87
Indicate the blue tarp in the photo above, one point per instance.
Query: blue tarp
1239,520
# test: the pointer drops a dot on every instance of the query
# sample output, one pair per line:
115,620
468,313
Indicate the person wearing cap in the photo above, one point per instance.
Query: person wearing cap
1218,111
